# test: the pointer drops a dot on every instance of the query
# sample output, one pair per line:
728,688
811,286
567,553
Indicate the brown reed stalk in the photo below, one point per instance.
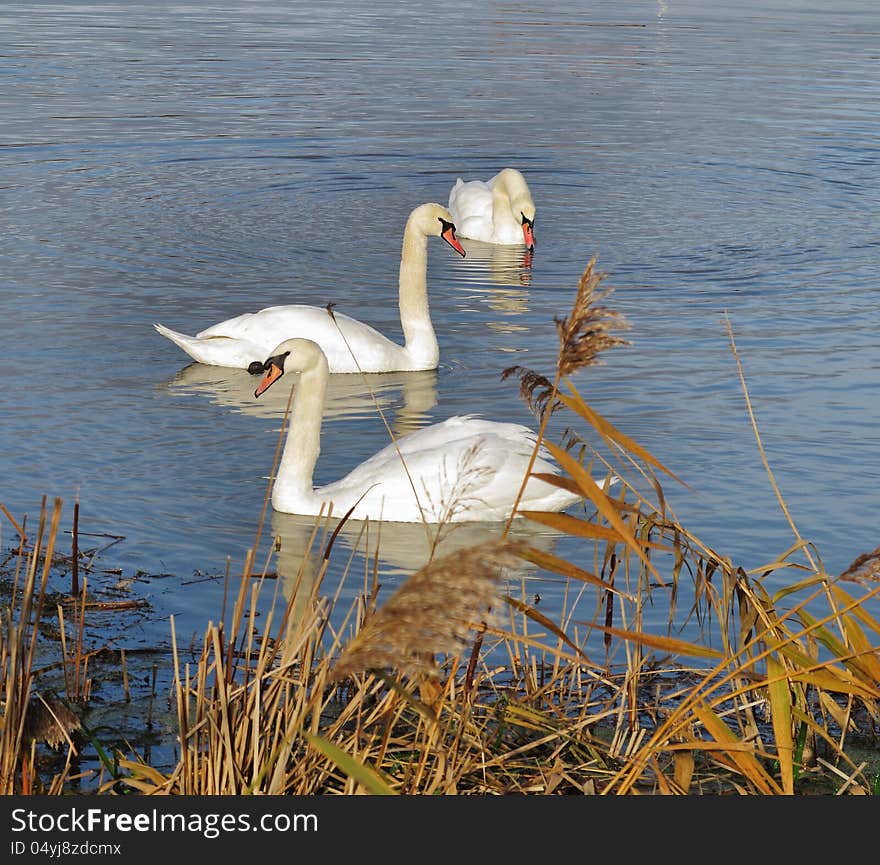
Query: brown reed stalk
80,659
583,335
18,528
62,630
27,717
761,450
74,557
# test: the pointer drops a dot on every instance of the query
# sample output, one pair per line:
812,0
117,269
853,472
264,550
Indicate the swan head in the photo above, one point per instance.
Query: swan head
293,355
528,227
522,205
523,210
436,221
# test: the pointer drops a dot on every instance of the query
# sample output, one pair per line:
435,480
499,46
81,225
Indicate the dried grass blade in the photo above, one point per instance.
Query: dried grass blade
563,483
12,520
760,444
793,588
780,706
541,619
825,678
744,760
144,774
557,565
603,504
573,526
364,775
840,651
684,768
822,675
857,606
664,644
607,430
867,658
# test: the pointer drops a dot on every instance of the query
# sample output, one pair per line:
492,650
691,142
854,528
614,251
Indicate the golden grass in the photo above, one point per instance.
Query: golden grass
458,683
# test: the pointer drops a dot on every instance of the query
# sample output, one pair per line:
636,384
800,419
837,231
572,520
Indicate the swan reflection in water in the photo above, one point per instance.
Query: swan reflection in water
398,549
493,265
409,395
499,277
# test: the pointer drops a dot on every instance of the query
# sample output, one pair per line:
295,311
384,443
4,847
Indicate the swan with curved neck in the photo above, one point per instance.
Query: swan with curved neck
350,345
499,210
463,469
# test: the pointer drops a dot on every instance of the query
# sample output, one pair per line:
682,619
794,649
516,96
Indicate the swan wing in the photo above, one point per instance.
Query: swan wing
215,351
470,204
464,468
339,336
473,198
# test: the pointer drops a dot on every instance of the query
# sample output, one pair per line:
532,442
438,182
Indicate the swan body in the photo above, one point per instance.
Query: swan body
464,469
499,210
349,344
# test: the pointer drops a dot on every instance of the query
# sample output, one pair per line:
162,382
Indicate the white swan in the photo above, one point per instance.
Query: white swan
499,210
249,338
463,469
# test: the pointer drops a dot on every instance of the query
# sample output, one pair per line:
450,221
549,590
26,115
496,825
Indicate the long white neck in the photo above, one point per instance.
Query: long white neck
502,217
294,481
511,200
415,315
500,196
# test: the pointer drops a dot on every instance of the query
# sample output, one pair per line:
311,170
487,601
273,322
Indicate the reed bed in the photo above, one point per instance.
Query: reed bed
458,683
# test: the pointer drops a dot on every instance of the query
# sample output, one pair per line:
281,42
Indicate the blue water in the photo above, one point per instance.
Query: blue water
187,162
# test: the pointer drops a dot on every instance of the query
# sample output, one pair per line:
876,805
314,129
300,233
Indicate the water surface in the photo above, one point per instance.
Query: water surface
187,162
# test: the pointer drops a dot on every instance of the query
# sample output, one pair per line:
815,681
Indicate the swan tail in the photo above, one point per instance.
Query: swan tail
188,343
201,350
453,198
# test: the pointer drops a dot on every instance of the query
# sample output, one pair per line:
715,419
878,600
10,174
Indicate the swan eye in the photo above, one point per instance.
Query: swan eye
445,225
277,360
526,220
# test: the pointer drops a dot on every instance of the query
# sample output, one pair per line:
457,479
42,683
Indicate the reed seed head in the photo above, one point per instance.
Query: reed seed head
431,613
49,720
583,336
864,567
588,329
535,390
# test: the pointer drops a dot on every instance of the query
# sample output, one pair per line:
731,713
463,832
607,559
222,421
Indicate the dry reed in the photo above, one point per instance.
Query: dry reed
431,613
775,701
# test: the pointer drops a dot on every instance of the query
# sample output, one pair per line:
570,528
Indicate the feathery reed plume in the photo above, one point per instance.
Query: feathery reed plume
462,486
49,720
864,567
583,335
534,388
587,331
431,613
